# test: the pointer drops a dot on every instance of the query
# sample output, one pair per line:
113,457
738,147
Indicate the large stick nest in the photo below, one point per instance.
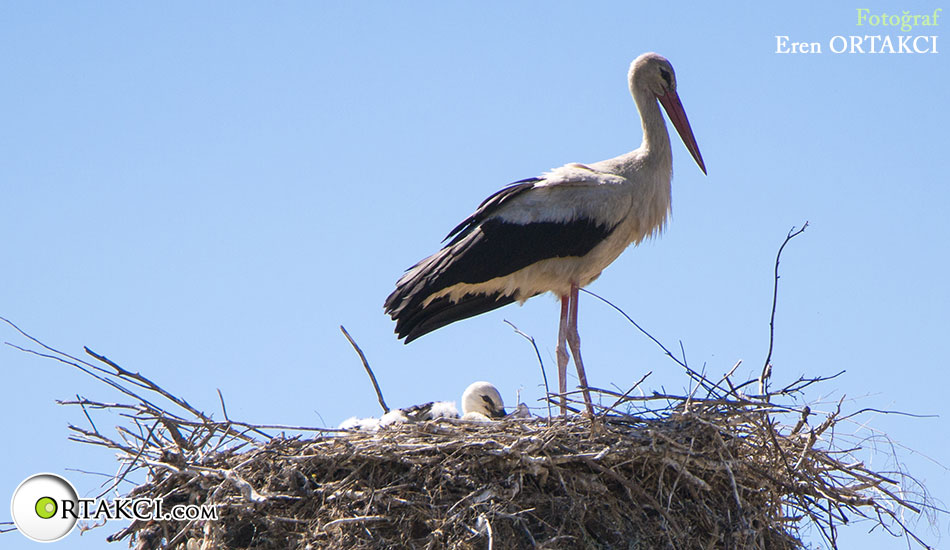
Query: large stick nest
699,479
716,468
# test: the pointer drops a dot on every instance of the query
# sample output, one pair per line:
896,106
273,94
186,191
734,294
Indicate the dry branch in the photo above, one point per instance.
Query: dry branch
369,371
767,367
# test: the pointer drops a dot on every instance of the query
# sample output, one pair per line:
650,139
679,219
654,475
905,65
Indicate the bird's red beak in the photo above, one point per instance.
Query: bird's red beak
674,109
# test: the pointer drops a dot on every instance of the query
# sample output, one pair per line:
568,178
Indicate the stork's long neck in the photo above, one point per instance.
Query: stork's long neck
655,147
654,151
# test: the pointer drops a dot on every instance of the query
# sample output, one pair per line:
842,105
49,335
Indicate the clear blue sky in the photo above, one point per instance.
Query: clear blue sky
205,192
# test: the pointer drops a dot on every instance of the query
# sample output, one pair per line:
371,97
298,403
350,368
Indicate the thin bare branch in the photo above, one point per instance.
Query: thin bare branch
224,409
767,368
369,371
697,377
544,376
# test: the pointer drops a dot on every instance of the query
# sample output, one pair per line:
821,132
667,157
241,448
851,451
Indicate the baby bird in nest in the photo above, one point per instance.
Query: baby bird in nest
481,402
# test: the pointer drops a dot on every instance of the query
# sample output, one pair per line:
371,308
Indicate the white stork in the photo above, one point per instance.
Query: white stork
481,402
553,233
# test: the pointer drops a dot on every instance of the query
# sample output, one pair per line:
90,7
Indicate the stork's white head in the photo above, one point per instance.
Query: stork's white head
483,398
651,72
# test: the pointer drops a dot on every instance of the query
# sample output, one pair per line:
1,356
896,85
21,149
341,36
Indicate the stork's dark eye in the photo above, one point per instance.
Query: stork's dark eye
489,402
667,77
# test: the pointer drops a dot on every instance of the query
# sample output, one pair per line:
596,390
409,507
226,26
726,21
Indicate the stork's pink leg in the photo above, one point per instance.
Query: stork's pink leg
574,339
562,356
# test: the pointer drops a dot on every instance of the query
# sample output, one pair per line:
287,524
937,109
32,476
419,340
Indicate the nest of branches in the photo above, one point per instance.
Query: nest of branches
716,468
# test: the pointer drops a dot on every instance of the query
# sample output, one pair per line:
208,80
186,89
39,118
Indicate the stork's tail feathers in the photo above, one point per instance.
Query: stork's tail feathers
414,319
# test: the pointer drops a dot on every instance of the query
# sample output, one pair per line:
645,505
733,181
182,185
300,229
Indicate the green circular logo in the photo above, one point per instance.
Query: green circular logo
46,507
38,506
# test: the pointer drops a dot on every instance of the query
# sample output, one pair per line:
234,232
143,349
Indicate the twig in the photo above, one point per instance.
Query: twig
544,376
692,373
147,384
379,393
146,407
358,519
247,490
181,534
623,397
491,533
141,451
224,410
89,418
767,368
89,369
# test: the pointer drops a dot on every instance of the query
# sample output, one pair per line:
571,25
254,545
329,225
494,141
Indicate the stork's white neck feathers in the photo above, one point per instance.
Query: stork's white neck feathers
656,139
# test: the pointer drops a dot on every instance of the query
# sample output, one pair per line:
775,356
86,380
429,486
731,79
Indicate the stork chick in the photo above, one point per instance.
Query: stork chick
481,402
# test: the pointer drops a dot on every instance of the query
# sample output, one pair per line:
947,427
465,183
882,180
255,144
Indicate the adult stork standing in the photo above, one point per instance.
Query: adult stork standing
553,233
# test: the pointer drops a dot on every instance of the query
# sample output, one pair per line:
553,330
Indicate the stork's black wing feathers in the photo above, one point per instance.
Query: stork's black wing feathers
484,248
489,205
495,248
